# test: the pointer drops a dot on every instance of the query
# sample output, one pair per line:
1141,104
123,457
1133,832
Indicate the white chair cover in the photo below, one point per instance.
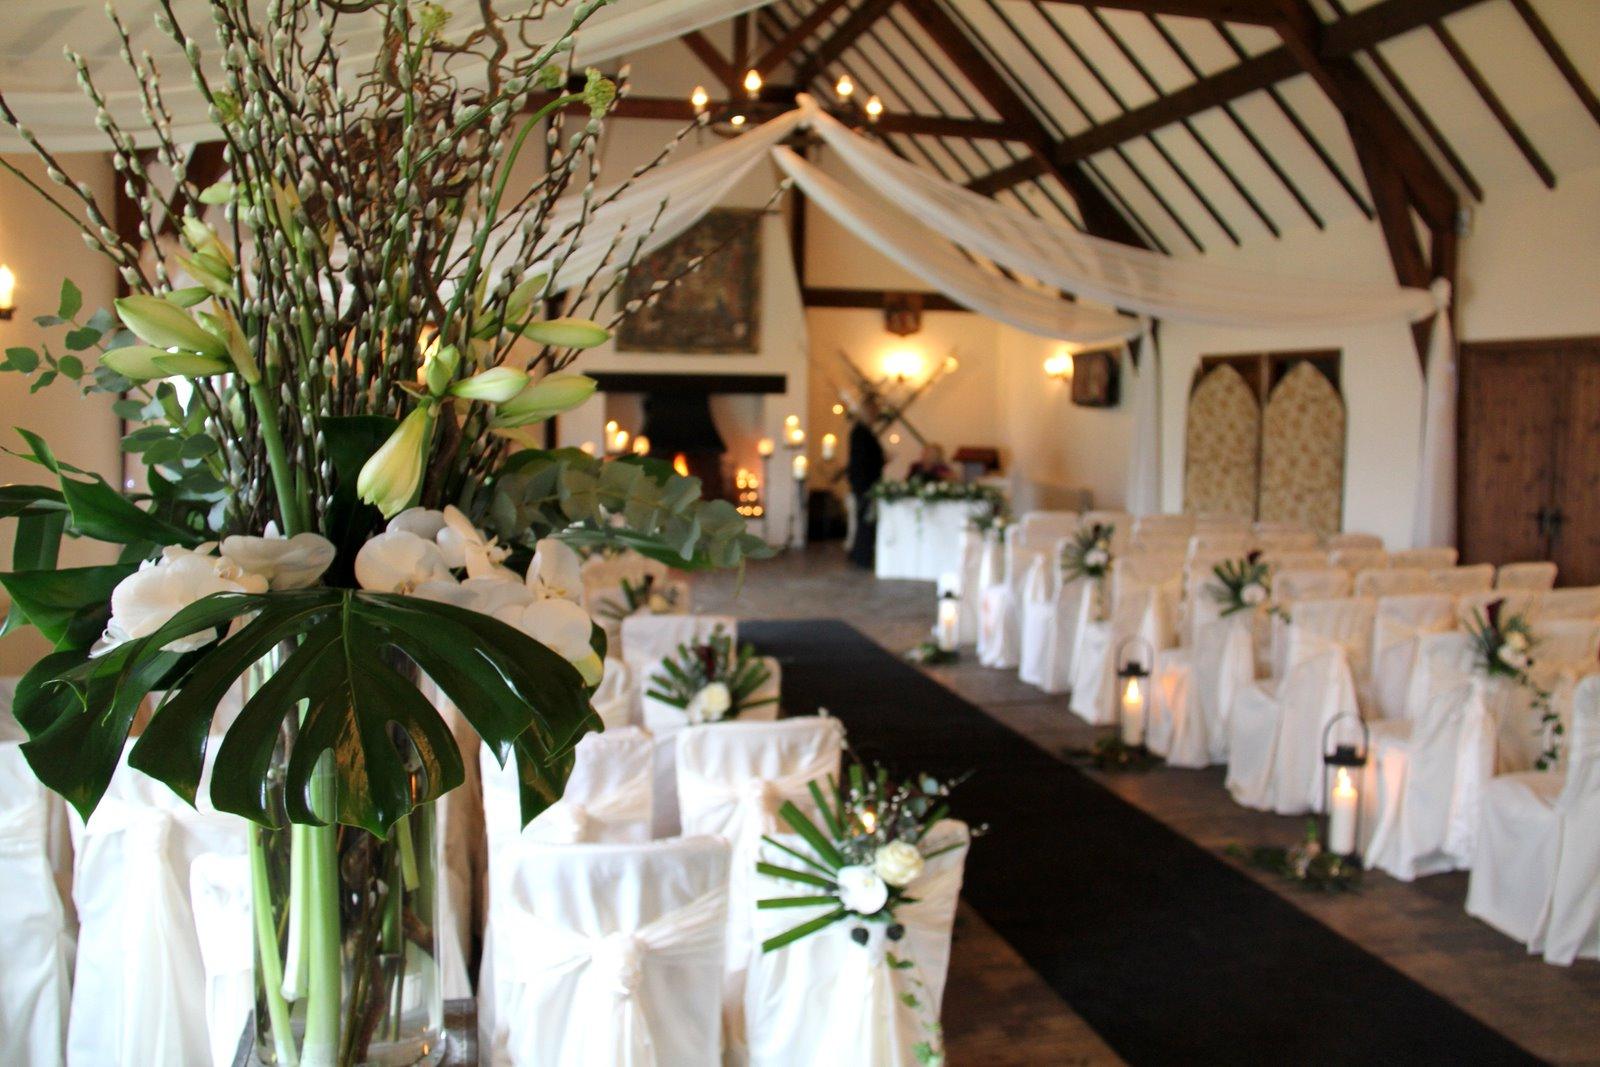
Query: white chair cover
1161,544
665,722
1443,661
1291,586
1533,577
1038,602
606,801
1059,627
1473,606
219,891
603,576
1043,528
1270,528
1459,581
969,583
1340,541
1121,522
1307,559
1393,581
139,986
1145,597
1400,623
1538,859
648,639
732,779
1428,559
1276,726
613,955
1163,525
1275,541
613,698
826,1001
1227,543
1223,524
36,940
1578,602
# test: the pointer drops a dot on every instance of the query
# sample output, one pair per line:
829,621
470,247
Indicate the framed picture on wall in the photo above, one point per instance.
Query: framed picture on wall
714,309
1094,379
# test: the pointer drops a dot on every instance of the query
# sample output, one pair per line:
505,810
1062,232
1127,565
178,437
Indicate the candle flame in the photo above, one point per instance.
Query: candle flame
680,463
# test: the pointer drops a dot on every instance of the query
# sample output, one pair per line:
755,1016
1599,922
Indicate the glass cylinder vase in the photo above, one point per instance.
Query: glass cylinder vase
344,929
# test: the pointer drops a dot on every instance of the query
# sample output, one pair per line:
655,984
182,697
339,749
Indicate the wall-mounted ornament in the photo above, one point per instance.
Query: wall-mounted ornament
1094,379
902,313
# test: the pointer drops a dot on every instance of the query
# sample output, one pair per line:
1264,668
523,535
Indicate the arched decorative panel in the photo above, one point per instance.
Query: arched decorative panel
1220,468
1302,451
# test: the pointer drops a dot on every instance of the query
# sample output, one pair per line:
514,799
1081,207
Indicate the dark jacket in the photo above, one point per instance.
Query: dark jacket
866,459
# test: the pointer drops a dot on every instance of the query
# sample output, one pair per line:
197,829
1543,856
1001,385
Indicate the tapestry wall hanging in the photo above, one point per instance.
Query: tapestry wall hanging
716,308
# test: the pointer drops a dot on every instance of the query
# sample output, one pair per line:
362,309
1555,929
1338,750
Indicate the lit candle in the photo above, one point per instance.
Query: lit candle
1342,814
1132,713
587,448
830,444
8,290
764,447
619,441
795,437
699,98
799,468
641,445
948,631
611,429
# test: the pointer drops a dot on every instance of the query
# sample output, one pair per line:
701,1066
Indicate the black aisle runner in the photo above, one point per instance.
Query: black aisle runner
1170,954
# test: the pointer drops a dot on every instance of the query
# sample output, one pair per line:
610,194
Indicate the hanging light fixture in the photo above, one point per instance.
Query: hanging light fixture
699,99
874,108
844,87
752,82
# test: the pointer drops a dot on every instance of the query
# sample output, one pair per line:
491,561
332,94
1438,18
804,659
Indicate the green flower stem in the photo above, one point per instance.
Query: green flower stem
409,876
267,949
325,980
283,479
298,955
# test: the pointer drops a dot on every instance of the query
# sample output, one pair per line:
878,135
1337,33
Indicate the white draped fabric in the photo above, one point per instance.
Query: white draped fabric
1144,453
1434,522
826,1001
219,891
42,88
611,955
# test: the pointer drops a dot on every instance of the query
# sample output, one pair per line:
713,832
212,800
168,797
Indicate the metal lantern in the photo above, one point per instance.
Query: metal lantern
947,627
1345,742
1135,660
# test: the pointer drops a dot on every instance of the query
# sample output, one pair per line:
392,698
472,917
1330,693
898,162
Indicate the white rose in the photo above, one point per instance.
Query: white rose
861,890
1095,557
710,704
556,571
147,599
297,562
398,562
1517,640
898,863
1514,658
1253,594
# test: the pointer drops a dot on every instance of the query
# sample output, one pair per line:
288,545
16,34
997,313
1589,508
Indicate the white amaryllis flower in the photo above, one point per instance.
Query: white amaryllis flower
424,522
898,863
399,562
464,545
556,570
1252,594
147,599
296,562
861,890
710,704
562,627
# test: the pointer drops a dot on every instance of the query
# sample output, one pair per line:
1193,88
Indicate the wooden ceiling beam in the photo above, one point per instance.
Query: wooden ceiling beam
1338,41
712,60
797,35
858,22
1255,12
1100,217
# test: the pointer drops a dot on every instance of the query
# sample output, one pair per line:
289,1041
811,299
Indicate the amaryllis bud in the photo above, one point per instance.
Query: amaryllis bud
493,386
566,333
392,476
159,323
549,396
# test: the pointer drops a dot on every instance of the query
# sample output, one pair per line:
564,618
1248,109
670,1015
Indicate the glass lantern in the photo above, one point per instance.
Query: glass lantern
1135,660
947,627
1345,742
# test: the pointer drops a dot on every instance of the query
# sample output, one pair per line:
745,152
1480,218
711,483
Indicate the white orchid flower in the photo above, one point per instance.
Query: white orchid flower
148,599
464,545
399,562
297,562
562,627
492,595
424,522
556,571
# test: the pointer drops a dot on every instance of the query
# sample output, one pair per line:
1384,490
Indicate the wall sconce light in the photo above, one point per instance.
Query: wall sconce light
838,409
904,364
752,82
874,108
799,468
1059,366
699,98
894,439
8,293
844,87
764,447
830,445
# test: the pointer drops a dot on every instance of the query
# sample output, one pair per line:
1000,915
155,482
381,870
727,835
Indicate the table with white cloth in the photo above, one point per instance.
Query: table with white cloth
921,540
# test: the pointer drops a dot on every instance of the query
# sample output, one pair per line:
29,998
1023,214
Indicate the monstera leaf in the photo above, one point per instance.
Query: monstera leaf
337,653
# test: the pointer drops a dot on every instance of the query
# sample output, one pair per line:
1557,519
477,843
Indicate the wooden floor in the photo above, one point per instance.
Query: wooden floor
997,1011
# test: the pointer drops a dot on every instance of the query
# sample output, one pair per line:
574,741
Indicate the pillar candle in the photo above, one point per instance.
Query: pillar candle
947,632
1132,713
1342,814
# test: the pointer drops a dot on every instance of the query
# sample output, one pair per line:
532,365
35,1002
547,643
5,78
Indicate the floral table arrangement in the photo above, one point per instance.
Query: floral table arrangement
645,595
711,682
1088,555
1242,585
874,842
331,365
1504,645
933,492
1307,863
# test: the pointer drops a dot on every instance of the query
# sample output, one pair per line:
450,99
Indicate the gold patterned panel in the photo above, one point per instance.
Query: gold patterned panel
1302,451
1220,472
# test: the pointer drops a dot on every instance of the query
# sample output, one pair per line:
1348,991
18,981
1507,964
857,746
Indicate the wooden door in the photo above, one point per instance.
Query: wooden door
1529,428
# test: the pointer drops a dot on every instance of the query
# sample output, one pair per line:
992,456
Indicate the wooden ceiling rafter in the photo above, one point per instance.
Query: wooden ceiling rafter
1251,12
832,46
712,59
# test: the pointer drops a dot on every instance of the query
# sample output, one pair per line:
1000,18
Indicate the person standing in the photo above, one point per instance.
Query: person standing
865,470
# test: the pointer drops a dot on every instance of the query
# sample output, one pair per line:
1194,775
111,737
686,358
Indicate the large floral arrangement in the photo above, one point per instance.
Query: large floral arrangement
713,681
332,354
1504,644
